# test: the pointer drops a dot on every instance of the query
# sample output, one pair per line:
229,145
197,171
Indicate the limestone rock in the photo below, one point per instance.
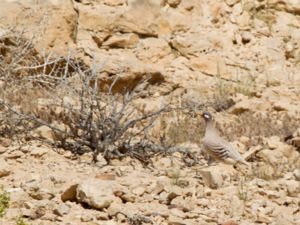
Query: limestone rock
36,191
293,188
139,191
45,132
241,107
5,169
59,28
122,41
14,154
231,2
212,177
154,50
274,142
2,149
86,218
292,6
114,2
210,65
69,194
61,209
38,151
246,37
101,161
97,194
173,3
5,142
297,174
271,156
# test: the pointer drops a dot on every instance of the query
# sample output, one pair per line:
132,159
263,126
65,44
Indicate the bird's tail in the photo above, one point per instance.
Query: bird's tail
243,161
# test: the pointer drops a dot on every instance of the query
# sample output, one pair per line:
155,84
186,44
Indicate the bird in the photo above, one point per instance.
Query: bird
217,147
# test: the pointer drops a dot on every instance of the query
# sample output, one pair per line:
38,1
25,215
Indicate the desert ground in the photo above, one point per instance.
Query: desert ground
101,105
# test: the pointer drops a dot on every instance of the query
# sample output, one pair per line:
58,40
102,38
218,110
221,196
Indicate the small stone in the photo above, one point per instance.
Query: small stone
69,194
38,151
101,161
212,177
5,142
232,2
4,168
110,222
121,217
289,50
246,37
86,218
174,220
297,174
115,208
173,3
14,154
139,191
45,132
296,142
2,149
102,216
114,2
241,107
127,197
40,193
274,142
28,205
177,212
86,157
293,188
122,41
61,210
156,189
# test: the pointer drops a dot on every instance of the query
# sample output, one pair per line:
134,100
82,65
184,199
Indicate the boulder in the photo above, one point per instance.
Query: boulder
98,194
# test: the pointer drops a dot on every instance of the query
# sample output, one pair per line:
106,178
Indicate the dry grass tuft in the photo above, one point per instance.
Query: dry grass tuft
256,126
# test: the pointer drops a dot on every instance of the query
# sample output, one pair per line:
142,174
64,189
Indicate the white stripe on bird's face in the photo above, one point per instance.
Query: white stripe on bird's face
206,116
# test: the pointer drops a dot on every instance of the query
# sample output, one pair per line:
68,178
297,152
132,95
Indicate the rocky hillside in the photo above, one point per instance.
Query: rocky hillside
240,60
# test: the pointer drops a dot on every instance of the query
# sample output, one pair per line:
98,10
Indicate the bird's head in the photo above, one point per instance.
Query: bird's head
207,116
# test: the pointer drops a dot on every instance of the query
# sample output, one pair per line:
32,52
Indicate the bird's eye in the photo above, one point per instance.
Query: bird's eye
206,116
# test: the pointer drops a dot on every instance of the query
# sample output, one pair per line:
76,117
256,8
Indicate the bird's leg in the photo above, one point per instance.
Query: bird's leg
211,161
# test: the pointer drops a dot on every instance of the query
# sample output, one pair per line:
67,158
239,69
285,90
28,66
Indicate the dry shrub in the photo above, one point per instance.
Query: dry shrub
256,126
63,94
83,118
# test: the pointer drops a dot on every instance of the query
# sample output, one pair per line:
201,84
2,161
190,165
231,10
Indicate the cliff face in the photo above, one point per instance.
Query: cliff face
189,42
238,59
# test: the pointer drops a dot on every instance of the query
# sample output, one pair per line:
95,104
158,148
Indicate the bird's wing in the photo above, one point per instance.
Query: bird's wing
216,147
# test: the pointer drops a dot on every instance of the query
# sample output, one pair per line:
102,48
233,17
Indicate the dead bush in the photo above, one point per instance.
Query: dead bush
62,94
83,118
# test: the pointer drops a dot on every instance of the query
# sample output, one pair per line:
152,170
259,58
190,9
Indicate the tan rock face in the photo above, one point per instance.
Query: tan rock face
197,55
53,30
